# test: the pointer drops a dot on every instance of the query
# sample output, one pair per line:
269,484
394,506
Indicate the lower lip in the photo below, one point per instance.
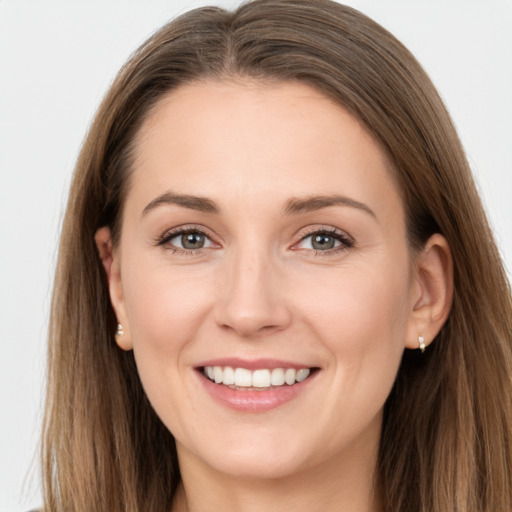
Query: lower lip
254,401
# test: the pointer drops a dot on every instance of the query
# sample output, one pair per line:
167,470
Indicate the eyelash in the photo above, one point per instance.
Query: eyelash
164,240
346,242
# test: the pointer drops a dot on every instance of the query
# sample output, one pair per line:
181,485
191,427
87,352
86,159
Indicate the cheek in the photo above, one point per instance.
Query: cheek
161,299
361,316
360,306
165,310
361,320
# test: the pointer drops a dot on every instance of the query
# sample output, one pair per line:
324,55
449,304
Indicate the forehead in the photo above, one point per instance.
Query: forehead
244,138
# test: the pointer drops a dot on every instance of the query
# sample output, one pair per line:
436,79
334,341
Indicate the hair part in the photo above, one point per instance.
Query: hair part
446,441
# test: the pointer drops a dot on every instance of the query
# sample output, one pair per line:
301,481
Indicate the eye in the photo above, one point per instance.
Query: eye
190,240
186,240
325,241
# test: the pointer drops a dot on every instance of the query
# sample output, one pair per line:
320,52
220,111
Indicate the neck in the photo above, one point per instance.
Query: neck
344,483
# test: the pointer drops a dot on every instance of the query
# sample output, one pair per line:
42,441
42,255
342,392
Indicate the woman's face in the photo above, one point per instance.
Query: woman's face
263,243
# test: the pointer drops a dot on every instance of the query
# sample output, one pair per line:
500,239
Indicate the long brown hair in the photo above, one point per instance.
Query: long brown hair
447,433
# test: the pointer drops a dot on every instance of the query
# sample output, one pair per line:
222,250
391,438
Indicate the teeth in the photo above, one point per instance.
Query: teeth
218,374
289,376
302,374
277,377
243,378
229,376
261,379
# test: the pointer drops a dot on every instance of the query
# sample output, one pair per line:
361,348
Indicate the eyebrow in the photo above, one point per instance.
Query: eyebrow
313,203
294,206
201,204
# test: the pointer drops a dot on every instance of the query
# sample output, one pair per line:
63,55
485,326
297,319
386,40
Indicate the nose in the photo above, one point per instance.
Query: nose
251,300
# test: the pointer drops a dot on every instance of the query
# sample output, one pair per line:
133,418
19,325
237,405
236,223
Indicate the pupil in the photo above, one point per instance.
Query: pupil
323,242
192,241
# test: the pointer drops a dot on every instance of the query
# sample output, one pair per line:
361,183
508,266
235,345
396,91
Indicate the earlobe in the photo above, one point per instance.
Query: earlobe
110,263
432,292
122,339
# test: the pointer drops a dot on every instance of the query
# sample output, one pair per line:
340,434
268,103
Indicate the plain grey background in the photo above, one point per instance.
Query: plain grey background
56,61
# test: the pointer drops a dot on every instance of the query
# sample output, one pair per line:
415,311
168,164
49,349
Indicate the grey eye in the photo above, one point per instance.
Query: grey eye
192,240
189,240
322,242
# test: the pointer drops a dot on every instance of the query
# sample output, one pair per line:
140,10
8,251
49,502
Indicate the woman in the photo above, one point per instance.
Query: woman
273,217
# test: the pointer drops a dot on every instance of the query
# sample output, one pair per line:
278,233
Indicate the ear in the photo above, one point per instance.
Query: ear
111,263
432,291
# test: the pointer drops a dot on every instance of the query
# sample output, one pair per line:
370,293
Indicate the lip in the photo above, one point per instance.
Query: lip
253,400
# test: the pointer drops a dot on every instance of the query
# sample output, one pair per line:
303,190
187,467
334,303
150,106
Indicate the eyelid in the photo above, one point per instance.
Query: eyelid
346,240
180,230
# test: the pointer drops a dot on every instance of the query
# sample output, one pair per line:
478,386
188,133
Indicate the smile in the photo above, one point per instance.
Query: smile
256,380
255,386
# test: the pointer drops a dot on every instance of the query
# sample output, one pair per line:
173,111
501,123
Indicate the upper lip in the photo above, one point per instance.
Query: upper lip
254,364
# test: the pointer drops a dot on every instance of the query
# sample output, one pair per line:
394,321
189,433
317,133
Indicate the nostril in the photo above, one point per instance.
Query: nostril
252,317
248,330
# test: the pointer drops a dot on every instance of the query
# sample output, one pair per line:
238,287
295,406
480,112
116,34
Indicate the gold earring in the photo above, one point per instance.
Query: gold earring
421,341
119,332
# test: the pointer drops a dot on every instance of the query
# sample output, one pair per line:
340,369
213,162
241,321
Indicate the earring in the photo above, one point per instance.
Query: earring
421,341
119,332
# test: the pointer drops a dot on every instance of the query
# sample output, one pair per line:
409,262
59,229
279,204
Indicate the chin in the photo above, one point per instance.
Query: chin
267,467
256,458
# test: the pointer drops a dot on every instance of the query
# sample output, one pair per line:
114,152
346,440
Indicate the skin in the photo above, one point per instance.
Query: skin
259,289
